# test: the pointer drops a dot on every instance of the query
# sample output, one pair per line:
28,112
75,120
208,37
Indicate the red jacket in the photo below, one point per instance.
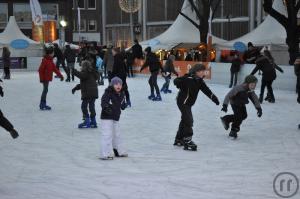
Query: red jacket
47,68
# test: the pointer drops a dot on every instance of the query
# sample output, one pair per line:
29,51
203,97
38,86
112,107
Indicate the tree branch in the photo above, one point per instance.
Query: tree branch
215,9
275,14
190,20
195,8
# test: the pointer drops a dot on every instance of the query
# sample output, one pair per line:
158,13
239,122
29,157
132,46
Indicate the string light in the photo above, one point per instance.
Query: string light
130,6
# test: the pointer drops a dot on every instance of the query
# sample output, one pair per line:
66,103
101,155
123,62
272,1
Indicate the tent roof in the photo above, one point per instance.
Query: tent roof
181,31
13,32
267,33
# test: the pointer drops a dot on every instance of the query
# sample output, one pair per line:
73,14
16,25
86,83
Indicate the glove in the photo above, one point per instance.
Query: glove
1,92
62,79
259,112
224,109
215,99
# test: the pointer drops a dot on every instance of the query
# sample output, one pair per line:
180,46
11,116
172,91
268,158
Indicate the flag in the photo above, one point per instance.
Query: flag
36,12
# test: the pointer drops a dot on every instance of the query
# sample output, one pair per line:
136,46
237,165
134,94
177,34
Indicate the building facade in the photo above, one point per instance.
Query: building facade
52,10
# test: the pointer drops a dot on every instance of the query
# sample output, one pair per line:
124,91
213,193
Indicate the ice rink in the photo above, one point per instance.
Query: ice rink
52,159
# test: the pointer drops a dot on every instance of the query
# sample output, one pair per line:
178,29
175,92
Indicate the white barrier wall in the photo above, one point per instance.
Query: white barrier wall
221,75
33,63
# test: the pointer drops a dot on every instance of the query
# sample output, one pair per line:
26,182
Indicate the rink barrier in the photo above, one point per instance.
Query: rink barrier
220,73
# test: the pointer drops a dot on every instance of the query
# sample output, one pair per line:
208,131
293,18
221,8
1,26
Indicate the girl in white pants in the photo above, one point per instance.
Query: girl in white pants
112,102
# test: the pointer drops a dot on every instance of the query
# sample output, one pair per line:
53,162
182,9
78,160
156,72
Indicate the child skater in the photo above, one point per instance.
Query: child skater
112,102
168,70
46,70
89,93
238,98
189,86
4,123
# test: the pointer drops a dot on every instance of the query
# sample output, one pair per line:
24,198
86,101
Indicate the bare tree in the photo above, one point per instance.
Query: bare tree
202,8
289,22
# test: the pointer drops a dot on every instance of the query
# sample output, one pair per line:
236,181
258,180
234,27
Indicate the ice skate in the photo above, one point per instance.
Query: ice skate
86,124
157,98
93,123
225,124
178,142
233,134
106,158
120,155
151,97
189,146
169,91
44,107
14,134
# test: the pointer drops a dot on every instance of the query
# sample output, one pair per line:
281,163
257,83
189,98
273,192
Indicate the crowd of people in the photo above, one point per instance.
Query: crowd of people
116,65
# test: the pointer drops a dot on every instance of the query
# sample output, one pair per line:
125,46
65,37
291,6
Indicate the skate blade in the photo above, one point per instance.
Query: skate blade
190,149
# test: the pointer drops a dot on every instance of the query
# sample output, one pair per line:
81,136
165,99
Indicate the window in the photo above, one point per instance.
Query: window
22,12
50,11
82,25
92,4
3,14
81,4
92,25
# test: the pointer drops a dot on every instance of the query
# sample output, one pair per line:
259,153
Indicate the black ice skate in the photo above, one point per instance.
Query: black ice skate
189,146
178,142
225,124
233,134
120,155
14,134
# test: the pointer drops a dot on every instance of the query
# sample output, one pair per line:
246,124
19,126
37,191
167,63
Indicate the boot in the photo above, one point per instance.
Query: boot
225,123
157,98
14,134
189,145
120,155
169,91
93,123
261,99
151,97
233,134
44,107
178,142
268,97
86,124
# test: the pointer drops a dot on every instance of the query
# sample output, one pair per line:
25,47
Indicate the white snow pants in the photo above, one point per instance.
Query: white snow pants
111,138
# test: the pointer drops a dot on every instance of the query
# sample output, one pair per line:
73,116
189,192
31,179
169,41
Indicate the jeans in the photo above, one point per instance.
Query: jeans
234,75
153,83
6,73
167,83
88,103
70,71
45,91
130,71
185,129
5,123
239,115
267,84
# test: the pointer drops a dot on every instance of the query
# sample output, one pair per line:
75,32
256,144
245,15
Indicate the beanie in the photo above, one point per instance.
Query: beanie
250,79
116,80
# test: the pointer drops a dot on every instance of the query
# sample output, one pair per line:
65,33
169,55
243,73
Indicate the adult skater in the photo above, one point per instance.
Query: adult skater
251,54
238,98
60,61
46,70
89,93
154,65
109,63
6,62
70,57
169,69
297,72
268,76
5,123
189,86
112,102
120,70
234,70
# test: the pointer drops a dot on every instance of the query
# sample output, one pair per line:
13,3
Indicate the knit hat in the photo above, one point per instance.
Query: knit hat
116,80
196,68
250,79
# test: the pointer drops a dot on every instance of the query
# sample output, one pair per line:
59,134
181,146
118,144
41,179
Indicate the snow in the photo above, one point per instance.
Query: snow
52,159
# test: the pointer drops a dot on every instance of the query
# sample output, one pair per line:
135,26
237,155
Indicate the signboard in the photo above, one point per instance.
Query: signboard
19,44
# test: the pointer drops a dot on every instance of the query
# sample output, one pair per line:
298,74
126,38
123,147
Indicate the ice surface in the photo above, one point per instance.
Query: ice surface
52,159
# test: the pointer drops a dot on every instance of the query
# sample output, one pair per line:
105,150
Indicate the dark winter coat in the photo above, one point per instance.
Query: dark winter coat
58,54
267,68
88,81
137,51
6,59
70,56
169,68
297,67
47,68
119,67
153,63
112,103
239,96
189,88
108,60
250,56
235,65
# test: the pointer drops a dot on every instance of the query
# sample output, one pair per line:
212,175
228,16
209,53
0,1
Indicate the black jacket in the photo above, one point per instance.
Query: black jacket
58,54
153,62
137,51
112,103
119,67
267,68
189,88
70,56
235,65
88,83
169,68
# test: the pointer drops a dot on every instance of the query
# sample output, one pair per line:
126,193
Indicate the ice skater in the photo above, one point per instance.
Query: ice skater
264,64
238,97
4,122
89,93
154,65
169,69
46,70
297,72
234,70
189,86
112,102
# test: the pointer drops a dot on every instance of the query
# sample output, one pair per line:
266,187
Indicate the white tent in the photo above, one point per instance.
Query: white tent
73,46
270,32
181,32
11,33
